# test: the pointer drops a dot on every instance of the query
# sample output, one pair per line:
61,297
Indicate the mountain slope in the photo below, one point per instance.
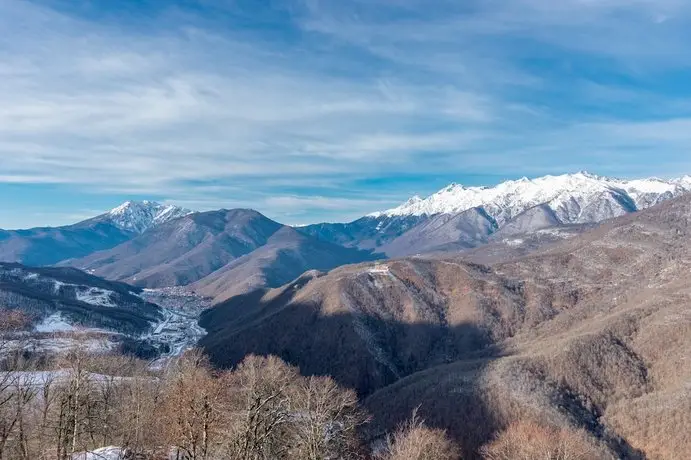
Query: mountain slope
444,232
366,325
531,220
286,255
583,333
184,250
238,250
568,199
365,233
74,298
48,246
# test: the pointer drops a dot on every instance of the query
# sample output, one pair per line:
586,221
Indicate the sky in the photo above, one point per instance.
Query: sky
326,110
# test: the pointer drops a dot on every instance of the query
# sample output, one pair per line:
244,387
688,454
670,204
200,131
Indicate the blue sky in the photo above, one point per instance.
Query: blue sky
311,110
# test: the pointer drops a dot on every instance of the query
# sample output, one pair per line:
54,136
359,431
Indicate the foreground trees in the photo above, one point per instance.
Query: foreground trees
415,441
529,440
263,409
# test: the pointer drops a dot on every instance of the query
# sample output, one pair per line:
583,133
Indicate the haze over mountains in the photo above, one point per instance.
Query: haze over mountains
224,253
560,299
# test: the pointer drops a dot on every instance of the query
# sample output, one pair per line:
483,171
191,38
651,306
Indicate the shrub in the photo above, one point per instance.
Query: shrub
414,441
529,441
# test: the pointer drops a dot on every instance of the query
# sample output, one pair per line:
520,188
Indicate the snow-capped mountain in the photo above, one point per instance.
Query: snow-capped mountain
574,198
139,216
459,217
52,245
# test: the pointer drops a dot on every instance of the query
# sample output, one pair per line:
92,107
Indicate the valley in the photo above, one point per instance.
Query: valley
345,230
179,329
68,309
566,314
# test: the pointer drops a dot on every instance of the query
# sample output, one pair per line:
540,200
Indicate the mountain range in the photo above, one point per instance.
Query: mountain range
591,332
223,252
459,217
230,252
562,300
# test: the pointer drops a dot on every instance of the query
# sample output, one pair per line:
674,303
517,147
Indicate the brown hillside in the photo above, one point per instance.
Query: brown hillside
593,332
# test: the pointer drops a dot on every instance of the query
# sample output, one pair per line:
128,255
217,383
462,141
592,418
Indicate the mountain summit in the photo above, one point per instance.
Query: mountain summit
574,198
227,251
50,245
458,217
139,216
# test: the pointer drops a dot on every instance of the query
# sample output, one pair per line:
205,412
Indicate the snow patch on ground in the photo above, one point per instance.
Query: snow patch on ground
554,232
104,453
57,285
96,296
514,242
65,343
41,378
55,323
380,269
376,274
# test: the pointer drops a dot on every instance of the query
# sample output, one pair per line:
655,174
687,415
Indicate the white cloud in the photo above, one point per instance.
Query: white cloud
171,108
106,112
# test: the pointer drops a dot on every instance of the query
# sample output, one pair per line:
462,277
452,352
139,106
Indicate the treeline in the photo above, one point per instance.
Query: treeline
263,409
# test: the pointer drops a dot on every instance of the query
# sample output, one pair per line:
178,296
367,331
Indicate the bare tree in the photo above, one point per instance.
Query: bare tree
414,441
43,432
16,389
326,419
192,401
140,413
20,392
528,440
258,403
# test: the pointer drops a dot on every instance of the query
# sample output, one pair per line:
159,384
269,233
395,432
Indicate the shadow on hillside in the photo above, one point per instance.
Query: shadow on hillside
359,351
366,353
395,367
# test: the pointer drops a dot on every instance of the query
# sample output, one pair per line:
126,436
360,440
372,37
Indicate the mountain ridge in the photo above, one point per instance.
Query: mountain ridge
49,245
524,193
217,250
565,200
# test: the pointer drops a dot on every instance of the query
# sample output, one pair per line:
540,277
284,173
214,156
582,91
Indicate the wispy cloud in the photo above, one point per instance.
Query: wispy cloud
324,93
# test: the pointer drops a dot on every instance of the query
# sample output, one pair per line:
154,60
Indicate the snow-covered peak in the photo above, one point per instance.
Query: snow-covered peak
139,216
684,181
579,197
